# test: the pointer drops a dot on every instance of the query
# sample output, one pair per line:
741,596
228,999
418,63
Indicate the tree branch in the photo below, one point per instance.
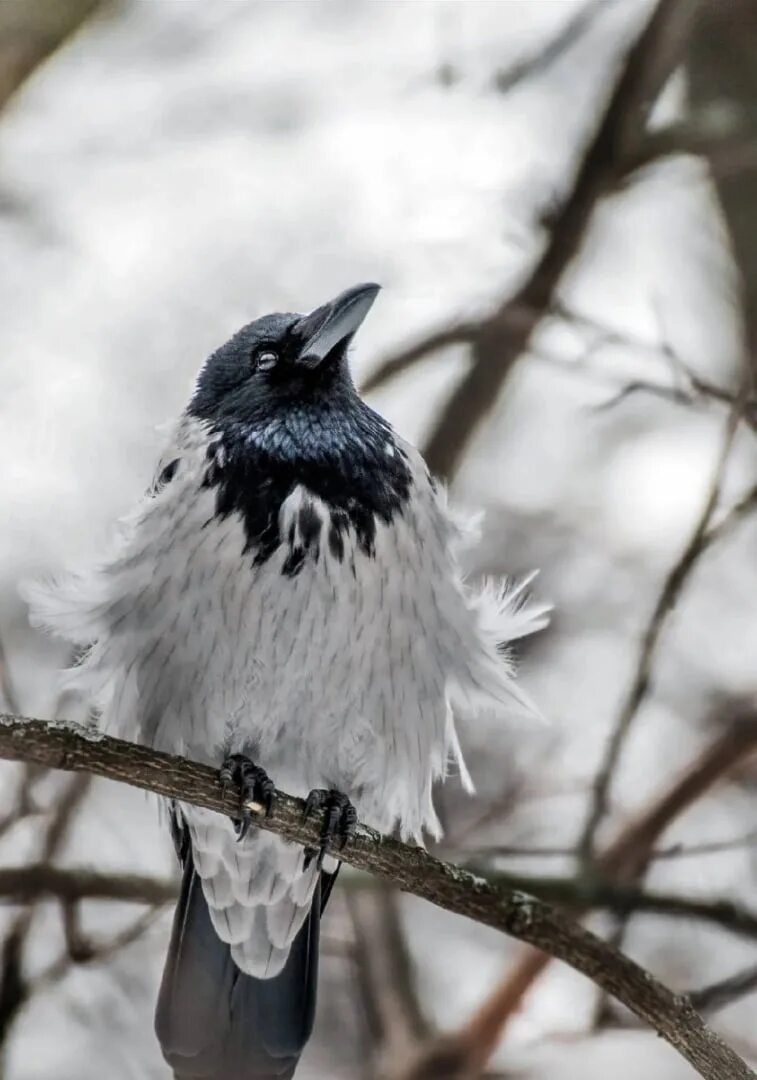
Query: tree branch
412,869
455,334
724,992
624,860
15,989
535,64
395,1020
26,884
702,536
497,341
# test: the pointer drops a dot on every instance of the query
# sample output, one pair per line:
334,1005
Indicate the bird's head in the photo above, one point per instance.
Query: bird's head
281,412
283,364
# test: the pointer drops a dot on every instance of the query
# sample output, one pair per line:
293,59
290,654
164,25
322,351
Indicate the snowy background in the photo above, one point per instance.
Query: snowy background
179,168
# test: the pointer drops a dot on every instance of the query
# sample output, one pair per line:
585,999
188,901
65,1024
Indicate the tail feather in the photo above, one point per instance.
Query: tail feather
215,1023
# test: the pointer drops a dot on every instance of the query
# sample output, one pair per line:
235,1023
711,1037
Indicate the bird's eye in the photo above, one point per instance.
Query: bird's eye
266,359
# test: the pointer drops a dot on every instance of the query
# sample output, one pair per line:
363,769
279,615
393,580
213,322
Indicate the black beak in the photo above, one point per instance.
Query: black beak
329,325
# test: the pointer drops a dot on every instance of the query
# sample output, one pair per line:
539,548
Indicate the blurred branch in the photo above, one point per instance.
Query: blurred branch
627,855
463,1054
723,90
732,517
688,389
719,994
500,339
30,30
462,333
410,868
694,389
15,990
393,1011
581,894
701,538
506,79
81,949
622,861
674,851
25,805
697,391
25,884
727,152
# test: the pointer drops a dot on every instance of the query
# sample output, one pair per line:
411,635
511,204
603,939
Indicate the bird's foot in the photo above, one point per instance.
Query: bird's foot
257,789
339,822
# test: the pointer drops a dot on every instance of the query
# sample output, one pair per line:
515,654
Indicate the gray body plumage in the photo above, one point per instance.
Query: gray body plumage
335,644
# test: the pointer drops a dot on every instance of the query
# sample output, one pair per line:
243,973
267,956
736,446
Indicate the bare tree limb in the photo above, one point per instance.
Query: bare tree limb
15,990
83,950
723,87
471,856
461,333
500,339
731,519
25,884
700,539
726,152
506,79
463,1054
628,854
411,869
395,1018
622,861
710,998
724,992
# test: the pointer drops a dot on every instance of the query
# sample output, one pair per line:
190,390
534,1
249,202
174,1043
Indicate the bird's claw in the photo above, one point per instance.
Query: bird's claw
256,787
339,821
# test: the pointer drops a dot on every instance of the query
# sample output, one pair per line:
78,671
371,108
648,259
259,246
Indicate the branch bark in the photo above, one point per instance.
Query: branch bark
412,869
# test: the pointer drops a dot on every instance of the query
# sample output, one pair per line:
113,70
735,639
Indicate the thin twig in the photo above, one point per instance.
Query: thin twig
461,333
626,857
673,852
505,336
15,990
498,340
724,992
395,1019
700,540
26,884
81,950
732,517
538,62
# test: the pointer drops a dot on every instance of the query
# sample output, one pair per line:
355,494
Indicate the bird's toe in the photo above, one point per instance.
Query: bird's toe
339,820
256,789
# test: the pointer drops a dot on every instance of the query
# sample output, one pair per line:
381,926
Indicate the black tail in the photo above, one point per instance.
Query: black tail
215,1023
